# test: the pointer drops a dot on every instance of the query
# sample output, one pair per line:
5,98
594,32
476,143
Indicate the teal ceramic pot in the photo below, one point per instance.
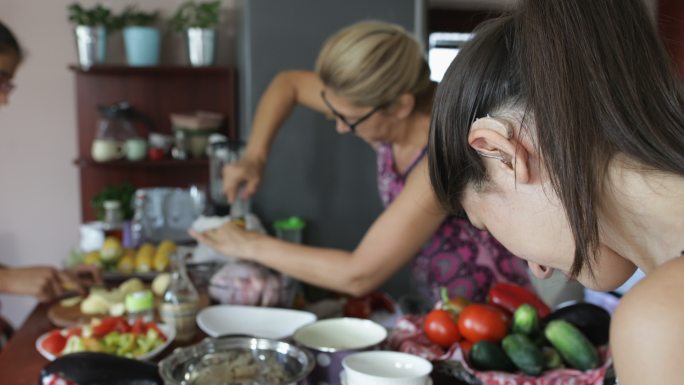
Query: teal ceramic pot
142,45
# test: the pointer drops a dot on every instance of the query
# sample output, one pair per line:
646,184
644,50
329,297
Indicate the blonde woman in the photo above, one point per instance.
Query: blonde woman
371,77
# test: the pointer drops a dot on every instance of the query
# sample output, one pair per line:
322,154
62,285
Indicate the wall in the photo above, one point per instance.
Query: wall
39,210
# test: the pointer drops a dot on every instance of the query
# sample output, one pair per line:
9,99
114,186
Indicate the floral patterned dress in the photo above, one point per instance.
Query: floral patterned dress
465,260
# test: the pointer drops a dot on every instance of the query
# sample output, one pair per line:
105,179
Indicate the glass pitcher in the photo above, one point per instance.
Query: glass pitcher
114,129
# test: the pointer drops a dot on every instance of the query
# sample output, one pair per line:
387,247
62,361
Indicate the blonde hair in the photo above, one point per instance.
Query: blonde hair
372,63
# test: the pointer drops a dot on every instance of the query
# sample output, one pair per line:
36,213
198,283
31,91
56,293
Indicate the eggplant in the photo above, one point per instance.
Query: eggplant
88,368
592,320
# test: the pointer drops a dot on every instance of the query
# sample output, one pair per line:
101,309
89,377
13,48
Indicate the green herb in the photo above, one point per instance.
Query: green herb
193,14
132,16
91,17
122,193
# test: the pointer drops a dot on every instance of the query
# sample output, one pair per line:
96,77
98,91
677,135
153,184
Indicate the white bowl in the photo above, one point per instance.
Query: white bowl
386,368
264,322
169,331
341,334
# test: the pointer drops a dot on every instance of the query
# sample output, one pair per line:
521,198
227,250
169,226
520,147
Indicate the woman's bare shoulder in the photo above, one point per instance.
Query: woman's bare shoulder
647,332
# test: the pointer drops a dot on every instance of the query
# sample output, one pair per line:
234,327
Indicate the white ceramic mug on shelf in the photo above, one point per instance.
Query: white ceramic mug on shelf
136,149
104,150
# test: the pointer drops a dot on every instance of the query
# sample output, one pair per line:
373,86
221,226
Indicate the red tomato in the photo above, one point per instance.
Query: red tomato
122,325
138,327
105,326
54,343
441,328
479,322
153,326
465,347
75,331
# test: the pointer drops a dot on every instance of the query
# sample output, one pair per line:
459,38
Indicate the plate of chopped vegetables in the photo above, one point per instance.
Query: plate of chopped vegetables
115,335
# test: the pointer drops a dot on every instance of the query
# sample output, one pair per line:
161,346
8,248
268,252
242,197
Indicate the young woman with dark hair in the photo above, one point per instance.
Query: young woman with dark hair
45,283
559,129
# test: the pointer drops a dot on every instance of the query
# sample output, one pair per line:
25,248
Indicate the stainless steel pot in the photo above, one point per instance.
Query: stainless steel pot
237,360
201,46
91,45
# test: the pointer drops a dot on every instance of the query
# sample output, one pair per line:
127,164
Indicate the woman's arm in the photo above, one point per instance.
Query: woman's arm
393,239
285,91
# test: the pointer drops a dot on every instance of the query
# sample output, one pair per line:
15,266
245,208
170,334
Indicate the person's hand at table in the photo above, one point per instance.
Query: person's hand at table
228,239
85,276
45,283
243,176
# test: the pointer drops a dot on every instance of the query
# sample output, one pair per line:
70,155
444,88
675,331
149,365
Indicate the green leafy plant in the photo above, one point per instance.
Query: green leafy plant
122,192
132,16
193,14
91,17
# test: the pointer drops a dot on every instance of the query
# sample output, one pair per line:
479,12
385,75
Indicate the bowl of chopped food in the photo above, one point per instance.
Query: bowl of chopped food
237,360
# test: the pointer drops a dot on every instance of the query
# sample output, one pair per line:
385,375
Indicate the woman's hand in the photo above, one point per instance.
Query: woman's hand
45,283
86,276
229,239
244,174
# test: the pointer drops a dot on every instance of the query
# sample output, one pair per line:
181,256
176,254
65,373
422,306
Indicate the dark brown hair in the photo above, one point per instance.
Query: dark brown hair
595,81
9,43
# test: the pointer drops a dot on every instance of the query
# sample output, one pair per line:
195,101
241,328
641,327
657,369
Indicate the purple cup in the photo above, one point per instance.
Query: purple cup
331,340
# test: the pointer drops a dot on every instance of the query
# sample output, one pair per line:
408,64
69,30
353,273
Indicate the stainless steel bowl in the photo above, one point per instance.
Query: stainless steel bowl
237,360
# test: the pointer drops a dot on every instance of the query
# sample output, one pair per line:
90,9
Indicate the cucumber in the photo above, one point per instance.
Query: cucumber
486,355
525,320
552,358
577,351
593,321
524,354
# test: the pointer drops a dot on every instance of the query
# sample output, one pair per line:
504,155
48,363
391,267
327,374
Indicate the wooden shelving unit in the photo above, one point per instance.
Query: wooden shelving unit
157,92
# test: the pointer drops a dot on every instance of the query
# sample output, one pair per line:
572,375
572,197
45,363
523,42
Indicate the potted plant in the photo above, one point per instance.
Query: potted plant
91,26
198,20
141,36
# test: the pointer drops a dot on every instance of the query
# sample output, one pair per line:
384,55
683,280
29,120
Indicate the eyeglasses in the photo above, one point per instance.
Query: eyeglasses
352,126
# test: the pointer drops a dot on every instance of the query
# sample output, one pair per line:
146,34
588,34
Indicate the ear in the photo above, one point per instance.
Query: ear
404,105
493,138
540,271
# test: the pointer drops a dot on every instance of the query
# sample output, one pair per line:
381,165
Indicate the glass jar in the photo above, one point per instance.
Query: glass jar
113,220
140,304
180,302
221,152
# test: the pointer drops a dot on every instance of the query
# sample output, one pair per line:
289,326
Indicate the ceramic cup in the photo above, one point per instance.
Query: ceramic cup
136,149
386,368
104,150
331,340
161,141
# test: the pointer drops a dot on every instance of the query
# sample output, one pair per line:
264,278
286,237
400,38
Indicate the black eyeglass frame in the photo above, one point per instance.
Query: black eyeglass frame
352,126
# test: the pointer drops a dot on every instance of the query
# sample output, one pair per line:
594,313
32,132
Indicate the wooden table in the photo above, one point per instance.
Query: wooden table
20,362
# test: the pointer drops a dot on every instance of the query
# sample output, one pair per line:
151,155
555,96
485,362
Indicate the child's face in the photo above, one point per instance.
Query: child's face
9,61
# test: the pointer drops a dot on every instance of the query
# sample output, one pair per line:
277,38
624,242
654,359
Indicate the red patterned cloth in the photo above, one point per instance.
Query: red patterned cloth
407,336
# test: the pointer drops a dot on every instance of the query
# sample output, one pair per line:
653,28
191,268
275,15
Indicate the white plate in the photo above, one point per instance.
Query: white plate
343,379
166,329
265,322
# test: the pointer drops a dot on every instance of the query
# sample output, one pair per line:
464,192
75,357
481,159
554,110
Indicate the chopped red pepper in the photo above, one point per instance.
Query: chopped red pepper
510,296
362,307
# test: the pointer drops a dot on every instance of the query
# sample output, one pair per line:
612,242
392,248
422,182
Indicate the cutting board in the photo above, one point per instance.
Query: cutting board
67,316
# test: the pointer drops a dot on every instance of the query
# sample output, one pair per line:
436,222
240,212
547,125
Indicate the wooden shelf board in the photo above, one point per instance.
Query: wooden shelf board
200,162
108,69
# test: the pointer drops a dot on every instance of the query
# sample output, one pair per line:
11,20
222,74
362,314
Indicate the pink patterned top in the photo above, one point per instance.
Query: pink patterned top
465,260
